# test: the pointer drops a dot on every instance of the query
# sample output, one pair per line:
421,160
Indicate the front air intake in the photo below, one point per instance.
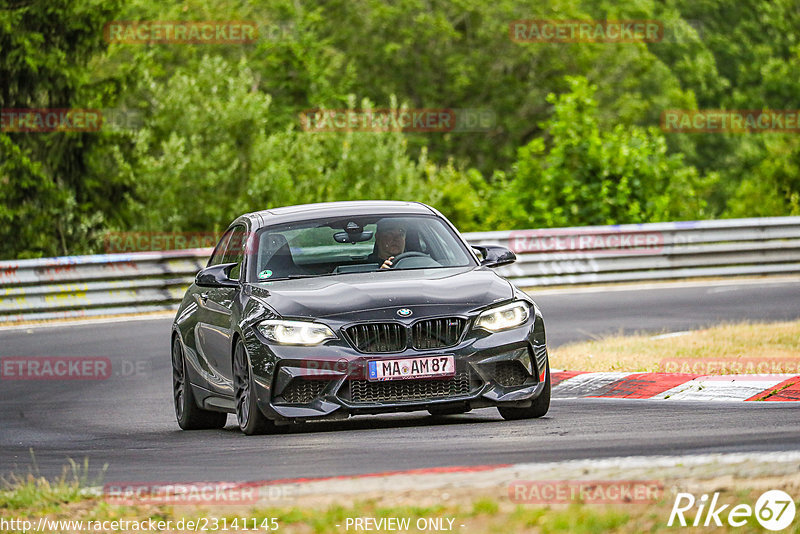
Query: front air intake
437,333
377,337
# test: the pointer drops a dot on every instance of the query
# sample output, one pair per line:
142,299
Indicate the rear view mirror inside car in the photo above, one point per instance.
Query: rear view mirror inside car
347,237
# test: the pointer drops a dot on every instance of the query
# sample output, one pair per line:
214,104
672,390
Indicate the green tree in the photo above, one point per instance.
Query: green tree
49,204
747,56
583,175
210,151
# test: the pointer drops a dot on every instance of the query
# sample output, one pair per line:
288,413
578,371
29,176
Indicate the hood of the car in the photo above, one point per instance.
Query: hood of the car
382,293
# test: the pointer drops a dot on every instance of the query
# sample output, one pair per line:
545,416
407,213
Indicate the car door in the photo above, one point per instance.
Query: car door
215,315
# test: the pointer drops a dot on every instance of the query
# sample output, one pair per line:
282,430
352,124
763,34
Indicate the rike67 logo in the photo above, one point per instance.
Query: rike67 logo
774,510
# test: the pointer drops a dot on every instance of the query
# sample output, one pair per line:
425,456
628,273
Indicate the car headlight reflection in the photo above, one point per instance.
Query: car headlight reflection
295,332
504,317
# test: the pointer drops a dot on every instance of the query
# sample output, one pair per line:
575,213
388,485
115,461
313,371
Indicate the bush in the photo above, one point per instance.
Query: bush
578,174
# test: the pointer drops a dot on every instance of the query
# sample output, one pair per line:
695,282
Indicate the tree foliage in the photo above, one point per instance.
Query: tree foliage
575,140
580,174
48,203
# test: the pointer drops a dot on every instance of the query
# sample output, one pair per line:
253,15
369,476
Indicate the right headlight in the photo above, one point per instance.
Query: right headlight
295,332
504,317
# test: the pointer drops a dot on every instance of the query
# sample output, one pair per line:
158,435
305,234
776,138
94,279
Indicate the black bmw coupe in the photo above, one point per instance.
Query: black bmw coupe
322,311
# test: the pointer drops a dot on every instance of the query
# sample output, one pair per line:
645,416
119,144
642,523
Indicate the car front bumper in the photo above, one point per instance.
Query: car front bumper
329,381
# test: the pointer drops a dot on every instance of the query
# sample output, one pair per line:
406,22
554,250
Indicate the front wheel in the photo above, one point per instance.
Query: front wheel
189,415
251,420
538,407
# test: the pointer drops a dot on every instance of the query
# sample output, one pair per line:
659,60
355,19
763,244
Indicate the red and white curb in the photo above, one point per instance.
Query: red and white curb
677,386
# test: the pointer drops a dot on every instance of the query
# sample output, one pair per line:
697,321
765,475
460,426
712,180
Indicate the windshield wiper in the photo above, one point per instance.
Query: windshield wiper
297,276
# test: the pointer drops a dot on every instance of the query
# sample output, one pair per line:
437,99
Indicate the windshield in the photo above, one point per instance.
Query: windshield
355,244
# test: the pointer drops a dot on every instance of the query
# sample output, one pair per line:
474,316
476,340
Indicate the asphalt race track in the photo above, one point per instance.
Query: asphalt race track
127,420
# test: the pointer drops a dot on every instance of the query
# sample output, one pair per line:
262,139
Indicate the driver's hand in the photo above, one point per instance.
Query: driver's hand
388,263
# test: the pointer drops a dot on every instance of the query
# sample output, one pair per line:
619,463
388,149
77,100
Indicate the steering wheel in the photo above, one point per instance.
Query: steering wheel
404,255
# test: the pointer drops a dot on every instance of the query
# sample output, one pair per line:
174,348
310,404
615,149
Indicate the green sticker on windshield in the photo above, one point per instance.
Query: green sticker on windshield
264,274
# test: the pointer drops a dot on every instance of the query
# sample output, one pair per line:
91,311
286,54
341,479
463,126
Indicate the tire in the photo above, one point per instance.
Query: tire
189,415
248,415
538,407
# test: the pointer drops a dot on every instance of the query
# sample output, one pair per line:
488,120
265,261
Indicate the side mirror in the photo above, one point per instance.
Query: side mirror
495,256
216,276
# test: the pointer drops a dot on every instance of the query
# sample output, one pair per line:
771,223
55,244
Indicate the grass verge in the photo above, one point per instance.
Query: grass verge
495,514
731,348
35,493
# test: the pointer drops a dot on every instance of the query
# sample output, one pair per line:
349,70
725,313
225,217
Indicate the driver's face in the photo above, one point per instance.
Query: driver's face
391,242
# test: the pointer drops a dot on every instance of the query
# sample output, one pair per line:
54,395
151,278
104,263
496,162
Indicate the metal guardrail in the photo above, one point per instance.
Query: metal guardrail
79,286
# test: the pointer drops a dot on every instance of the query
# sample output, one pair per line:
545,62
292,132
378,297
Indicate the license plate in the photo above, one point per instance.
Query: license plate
431,366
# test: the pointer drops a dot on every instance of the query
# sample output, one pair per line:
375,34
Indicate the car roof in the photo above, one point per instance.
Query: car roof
336,209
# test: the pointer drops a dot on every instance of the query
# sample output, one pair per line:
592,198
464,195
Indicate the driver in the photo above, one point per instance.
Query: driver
390,241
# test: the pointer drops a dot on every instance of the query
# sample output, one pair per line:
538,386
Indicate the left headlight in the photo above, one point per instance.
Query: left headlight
295,332
504,317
